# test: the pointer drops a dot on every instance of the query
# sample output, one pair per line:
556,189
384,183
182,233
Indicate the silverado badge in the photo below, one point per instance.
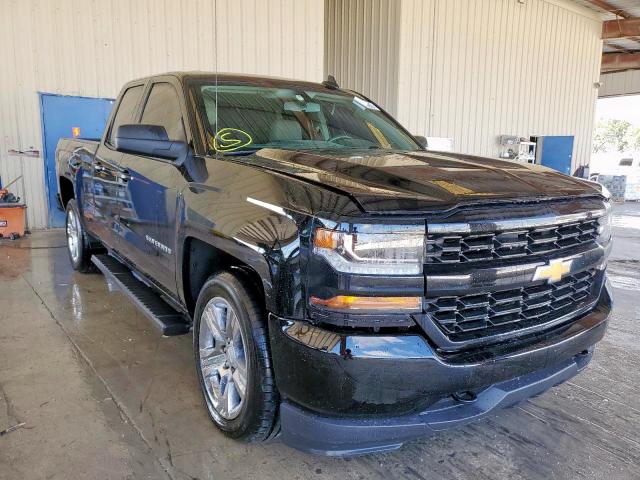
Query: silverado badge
554,271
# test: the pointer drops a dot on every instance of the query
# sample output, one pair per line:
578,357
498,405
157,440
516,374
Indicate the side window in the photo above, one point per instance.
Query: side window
126,110
163,108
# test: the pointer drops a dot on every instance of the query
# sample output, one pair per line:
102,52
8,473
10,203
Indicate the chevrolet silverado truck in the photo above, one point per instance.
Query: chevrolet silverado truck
347,289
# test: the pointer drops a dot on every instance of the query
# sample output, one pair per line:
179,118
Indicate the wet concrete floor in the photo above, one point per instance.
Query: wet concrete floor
95,392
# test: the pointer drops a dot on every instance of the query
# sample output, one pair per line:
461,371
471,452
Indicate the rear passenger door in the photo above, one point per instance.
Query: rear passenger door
149,226
108,187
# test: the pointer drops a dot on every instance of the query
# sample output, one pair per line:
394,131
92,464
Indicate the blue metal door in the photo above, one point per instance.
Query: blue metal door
61,115
556,152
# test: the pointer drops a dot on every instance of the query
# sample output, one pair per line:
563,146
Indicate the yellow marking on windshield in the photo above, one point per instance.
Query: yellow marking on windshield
230,139
384,143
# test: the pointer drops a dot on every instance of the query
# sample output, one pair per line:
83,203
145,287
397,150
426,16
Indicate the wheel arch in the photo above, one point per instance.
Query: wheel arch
202,258
66,190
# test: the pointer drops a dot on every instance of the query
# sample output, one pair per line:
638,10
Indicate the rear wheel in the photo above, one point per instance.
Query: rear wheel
77,242
232,359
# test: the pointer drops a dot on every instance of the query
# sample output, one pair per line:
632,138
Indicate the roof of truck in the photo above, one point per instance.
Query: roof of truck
234,77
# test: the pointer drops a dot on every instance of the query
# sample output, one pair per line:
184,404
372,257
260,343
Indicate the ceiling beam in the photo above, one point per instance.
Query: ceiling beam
618,48
620,61
604,5
623,28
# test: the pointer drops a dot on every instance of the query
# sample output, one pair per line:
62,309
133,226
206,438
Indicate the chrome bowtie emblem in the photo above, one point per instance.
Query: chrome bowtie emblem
554,271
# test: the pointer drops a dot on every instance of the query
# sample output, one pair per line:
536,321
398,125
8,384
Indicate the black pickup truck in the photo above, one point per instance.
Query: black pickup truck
347,289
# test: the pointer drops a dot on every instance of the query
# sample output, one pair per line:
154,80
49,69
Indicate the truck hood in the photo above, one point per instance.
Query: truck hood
393,181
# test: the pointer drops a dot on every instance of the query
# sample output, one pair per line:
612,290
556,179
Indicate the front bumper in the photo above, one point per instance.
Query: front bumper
353,394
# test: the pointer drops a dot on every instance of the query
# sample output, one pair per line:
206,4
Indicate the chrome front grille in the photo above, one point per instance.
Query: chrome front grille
450,247
468,317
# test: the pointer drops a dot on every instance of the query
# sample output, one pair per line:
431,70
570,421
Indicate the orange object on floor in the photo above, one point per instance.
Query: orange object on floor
12,220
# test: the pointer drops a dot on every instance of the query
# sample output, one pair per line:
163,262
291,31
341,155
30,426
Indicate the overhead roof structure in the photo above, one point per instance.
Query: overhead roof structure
620,33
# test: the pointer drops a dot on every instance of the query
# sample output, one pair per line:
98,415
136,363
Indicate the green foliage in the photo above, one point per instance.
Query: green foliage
616,135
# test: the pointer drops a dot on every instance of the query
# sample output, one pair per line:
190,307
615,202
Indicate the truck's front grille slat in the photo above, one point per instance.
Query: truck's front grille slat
475,316
455,247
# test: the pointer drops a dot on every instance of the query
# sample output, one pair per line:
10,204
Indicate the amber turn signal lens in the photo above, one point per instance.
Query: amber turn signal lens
345,302
325,238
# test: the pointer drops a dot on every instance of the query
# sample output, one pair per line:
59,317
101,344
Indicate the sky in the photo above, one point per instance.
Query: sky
614,108
619,108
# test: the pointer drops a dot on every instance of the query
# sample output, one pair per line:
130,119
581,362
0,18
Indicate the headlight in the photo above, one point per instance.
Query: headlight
604,225
371,253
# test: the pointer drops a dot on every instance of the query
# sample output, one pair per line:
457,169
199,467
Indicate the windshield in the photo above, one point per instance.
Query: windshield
245,118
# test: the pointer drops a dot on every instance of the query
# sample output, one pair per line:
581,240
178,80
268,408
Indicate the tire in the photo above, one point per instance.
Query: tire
77,241
248,415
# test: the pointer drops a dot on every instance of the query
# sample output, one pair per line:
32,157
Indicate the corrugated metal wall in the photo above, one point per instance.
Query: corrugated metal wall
498,67
79,47
620,83
473,70
361,47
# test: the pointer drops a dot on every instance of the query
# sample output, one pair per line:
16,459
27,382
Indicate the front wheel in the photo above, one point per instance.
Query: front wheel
77,242
232,359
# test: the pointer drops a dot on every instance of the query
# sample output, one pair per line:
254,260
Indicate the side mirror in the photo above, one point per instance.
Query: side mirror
151,140
422,141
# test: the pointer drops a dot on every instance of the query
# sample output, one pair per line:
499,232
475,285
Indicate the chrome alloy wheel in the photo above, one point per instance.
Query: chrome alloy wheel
73,235
223,361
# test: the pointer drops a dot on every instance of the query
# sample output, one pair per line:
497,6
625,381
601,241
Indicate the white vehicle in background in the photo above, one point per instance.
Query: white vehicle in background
619,172
609,163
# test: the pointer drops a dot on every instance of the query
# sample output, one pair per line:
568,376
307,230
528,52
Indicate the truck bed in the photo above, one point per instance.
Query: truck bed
72,151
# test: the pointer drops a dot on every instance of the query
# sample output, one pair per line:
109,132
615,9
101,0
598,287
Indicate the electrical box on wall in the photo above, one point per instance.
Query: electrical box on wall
440,144
517,148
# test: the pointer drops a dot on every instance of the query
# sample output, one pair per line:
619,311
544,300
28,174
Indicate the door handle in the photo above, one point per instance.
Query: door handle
124,176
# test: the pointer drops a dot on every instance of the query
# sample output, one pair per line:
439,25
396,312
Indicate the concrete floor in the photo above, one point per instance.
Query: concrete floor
102,395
